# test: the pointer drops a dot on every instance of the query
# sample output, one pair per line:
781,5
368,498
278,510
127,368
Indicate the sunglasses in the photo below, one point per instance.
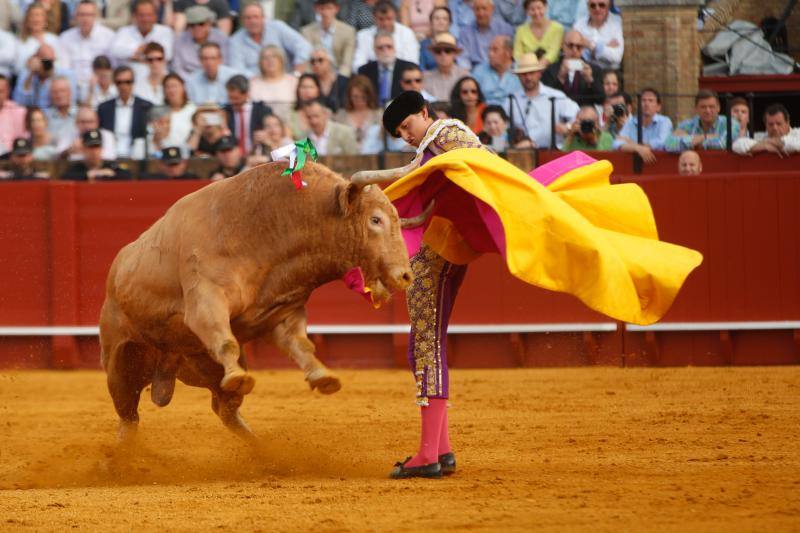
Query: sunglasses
123,82
444,51
154,59
196,24
593,5
576,46
413,80
315,60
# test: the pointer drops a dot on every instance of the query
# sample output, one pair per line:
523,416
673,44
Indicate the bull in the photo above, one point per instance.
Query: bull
231,262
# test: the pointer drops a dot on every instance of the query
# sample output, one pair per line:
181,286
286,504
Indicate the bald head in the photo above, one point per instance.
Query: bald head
572,45
689,163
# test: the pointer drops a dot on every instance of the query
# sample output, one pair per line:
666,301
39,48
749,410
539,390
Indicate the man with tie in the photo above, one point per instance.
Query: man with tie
244,117
385,72
573,76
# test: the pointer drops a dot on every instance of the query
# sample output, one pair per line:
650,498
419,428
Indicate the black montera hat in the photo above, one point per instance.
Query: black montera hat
407,103
92,138
171,155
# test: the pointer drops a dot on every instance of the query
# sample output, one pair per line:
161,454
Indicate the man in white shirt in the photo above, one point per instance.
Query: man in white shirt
602,35
199,20
71,144
126,116
532,109
61,115
129,42
207,85
780,137
84,42
405,42
334,35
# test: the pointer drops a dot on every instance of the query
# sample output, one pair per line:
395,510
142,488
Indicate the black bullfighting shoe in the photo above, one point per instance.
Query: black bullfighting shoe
401,471
448,463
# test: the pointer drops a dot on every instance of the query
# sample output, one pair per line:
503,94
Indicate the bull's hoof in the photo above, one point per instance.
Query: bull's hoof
239,382
326,384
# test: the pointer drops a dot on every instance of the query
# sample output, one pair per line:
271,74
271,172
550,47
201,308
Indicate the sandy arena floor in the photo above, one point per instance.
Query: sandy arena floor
692,449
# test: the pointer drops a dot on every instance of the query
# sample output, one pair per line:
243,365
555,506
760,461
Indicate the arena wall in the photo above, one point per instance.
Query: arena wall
741,307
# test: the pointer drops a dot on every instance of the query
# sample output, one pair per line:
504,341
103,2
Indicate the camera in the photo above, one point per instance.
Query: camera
619,110
47,65
587,126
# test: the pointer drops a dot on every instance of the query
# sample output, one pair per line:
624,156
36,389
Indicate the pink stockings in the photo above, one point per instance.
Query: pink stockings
435,439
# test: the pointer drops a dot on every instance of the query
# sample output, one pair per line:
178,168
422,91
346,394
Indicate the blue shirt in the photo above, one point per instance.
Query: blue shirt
693,126
654,134
38,93
244,51
201,90
495,88
476,43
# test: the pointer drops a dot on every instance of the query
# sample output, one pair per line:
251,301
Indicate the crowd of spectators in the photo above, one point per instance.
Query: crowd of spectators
93,82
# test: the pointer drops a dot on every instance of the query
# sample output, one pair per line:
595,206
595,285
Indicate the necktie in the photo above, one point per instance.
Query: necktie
384,88
242,132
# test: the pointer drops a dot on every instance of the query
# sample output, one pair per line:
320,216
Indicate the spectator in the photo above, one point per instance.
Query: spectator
83,43
101,87
655,128
208,84
539,35
273,135
780,137
707,129
495,77
411,79
532,109
478,36
440,81
602,35
328,137
256,33
357,13
32,36
92,167
42,142
404,42
333,84
463,15
229,157
126,116
617,110
441,110
334,35
574,77
208,126
416,14
71,144
498,133
586,134
361,113
177,123
740,113
33,86
689,164
385,71
512,11
244,117
8,53
467,103
199,31
21,162
151,88
57,15
9,15
62,113
220,9
117,13
130,41
12,118
274,85
441,21
308,88
171,166
611,82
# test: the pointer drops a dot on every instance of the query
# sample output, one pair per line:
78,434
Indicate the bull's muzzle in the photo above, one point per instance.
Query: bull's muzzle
401,278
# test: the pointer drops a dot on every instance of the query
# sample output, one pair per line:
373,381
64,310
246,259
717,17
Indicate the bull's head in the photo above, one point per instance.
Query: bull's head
379,249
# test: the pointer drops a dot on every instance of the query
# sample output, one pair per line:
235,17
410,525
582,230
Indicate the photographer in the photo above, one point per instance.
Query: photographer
573,76
33,83
616,111
586,133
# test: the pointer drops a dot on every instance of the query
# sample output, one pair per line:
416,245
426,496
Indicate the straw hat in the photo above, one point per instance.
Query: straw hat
528,63
445,41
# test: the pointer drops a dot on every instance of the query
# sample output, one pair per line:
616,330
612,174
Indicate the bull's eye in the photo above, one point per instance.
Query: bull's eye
376,220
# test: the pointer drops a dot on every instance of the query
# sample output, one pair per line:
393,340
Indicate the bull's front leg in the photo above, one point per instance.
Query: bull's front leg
290,337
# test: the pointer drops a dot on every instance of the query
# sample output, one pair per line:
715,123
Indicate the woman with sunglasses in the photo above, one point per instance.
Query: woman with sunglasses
540,35
151,88
467,103
602,35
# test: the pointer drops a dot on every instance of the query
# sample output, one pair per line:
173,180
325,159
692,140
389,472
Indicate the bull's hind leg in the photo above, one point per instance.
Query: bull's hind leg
290,337
129,371
226,405
208,316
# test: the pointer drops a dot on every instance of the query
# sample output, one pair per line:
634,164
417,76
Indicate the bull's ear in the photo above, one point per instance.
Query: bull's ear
346,197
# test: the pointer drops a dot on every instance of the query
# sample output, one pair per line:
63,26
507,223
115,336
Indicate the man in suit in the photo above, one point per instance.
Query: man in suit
245,118
336,36
573,76
386,71
329,138
126,116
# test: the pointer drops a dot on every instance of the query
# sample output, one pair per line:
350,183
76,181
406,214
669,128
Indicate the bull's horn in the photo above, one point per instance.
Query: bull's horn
413,222
364,177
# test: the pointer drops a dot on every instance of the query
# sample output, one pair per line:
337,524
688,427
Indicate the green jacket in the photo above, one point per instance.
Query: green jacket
605,142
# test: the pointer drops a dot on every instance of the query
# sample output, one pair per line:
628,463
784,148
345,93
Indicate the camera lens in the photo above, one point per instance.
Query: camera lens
619,110
587,126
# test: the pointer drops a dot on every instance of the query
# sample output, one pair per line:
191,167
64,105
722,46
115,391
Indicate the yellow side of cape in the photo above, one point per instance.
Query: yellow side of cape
581,235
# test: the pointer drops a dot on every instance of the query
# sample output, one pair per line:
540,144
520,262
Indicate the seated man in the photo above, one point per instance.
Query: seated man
21,160
586,134
617,109
655,128
171,166
328,137
92,168
780,137
496,79
403,38
385,71
689,163
338,37
411,79
602,35
572,75
70,145
707,129
440,81
477,36
33,82
229,157
207,84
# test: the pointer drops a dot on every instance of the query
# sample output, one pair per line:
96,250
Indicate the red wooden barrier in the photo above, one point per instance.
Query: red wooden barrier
58,240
